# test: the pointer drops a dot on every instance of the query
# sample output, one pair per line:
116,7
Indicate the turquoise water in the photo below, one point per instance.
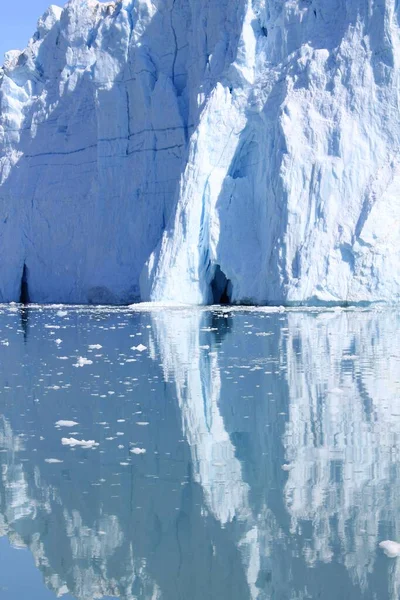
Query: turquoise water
227,454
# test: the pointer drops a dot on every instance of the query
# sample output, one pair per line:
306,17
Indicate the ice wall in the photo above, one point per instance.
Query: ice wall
198,151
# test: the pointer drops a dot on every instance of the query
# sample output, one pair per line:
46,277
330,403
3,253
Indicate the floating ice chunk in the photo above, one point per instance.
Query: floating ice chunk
62,423
286,467
82,361
95,347
139,348
138,451
58,341
62,313
63,589
142,423
390,548
53,461
83,443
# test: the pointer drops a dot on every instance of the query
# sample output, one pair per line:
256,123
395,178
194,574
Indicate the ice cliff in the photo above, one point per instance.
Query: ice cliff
203,150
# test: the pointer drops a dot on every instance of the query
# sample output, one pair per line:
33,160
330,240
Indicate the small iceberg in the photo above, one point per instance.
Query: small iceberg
138,451
62,423
83,443
140,348
390,548
82,361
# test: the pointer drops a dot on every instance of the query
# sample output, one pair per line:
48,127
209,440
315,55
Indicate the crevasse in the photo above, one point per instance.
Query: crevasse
199,151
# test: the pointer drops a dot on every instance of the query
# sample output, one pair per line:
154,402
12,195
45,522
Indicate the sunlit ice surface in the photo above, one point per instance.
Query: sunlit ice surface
180,453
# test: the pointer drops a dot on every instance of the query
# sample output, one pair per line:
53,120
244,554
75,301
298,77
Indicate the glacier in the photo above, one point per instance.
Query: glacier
203,151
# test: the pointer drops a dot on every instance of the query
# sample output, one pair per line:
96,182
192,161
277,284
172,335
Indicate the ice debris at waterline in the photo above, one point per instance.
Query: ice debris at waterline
203,152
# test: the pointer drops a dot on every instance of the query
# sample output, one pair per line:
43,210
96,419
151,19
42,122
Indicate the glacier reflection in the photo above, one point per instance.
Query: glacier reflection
272,452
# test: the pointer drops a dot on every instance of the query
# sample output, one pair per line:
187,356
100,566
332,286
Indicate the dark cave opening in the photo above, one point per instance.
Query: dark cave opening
221,287
24,294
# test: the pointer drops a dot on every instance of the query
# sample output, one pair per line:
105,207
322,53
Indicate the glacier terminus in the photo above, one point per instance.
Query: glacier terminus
203,151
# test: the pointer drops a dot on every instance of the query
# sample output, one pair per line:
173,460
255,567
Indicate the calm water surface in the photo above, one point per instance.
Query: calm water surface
227,454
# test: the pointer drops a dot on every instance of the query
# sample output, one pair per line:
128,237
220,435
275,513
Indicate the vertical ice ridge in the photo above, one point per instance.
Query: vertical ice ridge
294,224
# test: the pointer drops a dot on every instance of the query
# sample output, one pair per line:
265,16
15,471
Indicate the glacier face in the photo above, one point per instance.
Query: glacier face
197,151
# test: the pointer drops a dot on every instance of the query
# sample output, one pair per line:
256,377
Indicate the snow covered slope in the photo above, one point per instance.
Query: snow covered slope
203,150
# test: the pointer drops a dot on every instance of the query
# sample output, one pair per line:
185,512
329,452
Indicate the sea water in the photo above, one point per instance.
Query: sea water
193,454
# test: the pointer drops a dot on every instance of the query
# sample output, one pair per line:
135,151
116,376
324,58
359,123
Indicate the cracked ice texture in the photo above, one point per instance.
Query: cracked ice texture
144,143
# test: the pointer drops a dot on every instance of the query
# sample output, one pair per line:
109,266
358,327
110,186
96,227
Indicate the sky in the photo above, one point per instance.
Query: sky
18,22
